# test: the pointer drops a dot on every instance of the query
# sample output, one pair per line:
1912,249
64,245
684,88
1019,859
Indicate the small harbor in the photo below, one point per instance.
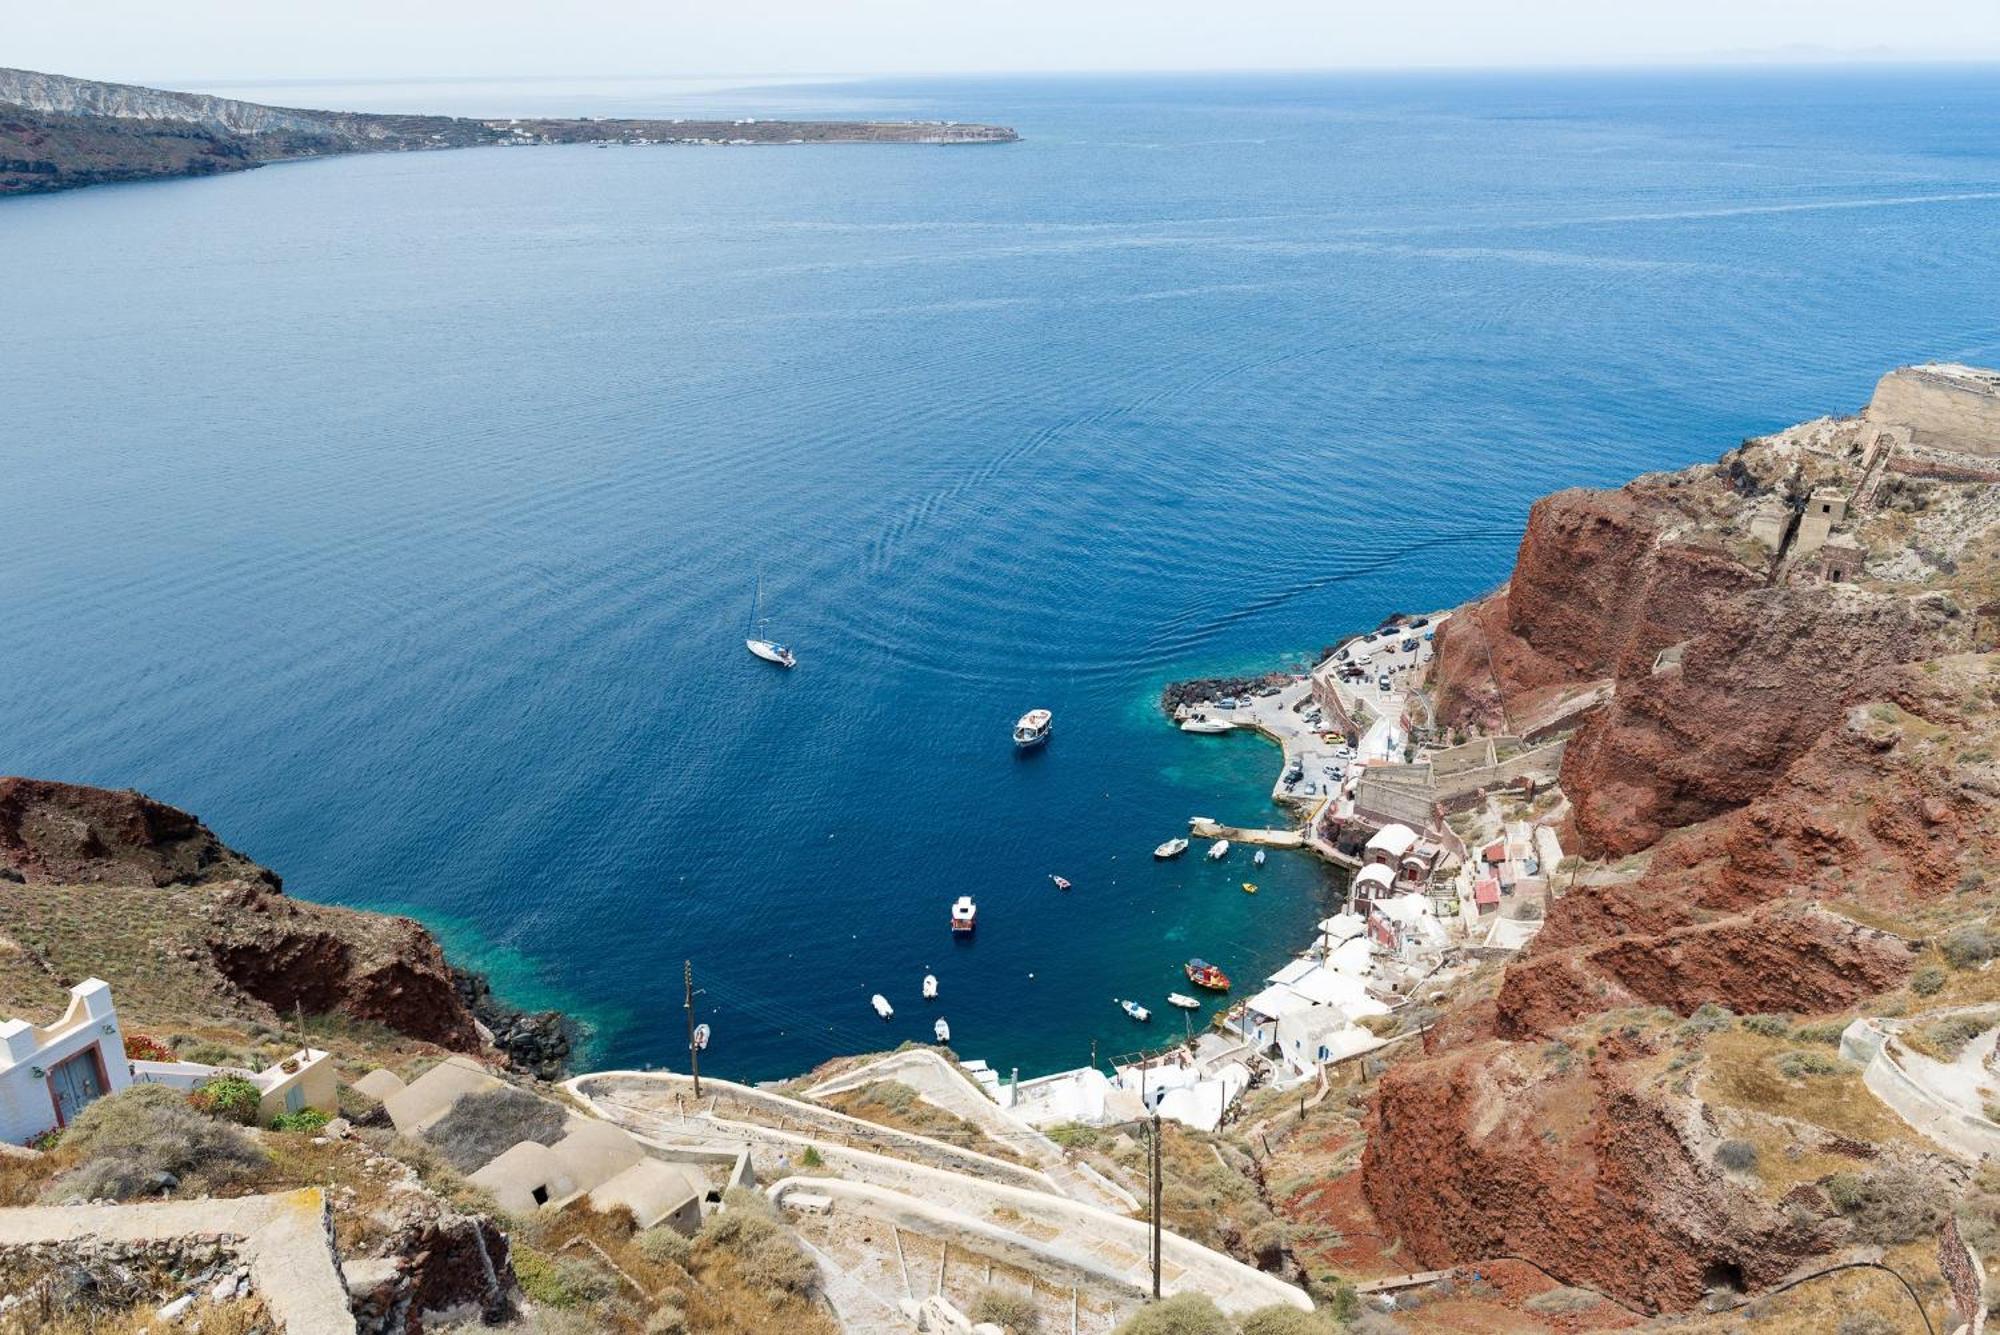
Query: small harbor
1445,866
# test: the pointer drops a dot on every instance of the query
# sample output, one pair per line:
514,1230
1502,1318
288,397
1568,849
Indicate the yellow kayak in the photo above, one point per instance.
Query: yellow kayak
1249,889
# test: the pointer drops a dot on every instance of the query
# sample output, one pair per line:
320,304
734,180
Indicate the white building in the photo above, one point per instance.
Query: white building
49,1075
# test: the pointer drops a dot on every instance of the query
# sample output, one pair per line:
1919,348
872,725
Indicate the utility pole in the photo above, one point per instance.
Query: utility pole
694,1053
1156,1193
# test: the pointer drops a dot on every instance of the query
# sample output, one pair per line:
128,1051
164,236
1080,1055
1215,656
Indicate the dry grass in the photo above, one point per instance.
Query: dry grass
891,1103
740,1277
246,1317
1741,1072
1819,1307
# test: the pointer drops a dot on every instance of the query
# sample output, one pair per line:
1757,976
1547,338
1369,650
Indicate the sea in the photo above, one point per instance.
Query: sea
401,515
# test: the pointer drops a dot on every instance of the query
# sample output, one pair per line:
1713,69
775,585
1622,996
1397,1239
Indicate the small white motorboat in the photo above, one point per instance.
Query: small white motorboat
1203,723
881,1005
1135,1010
1061,882
701,1034
930,987
1184,1001
942,1030
1218,850
1033,728
1257,858
1173,848
964,914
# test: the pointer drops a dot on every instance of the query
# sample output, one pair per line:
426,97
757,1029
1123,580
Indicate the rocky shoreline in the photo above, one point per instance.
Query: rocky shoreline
538,1043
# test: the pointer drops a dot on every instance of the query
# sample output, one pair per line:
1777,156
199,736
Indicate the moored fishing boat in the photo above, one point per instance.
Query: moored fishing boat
1062,882
1202,723
1203,974
881,1005
1033,728
942,1030
930,987
1185,1002
1257,858
1218,850
1249,887
1173,848
964,914
1135,1010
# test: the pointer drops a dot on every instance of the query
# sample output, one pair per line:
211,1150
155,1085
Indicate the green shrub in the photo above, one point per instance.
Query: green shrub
134,1142
1283,1319
1738,1156
1800,1065
1950,1034
485,1125
1770,1026
1824,1031
812,1158
1182,1314
667,1319
747,1231
1888,1206
664,1246
562,1281
1708,1018
1563,1302
230,1097
1927,981
1010,1309
305,1119
1970,947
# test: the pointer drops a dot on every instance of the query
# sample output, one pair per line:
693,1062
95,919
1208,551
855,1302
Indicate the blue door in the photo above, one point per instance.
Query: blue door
76,1083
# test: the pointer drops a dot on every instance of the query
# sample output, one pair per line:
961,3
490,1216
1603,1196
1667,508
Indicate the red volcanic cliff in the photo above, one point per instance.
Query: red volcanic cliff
1801,722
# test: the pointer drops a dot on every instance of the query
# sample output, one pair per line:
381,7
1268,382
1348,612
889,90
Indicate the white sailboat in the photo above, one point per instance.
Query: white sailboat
768,650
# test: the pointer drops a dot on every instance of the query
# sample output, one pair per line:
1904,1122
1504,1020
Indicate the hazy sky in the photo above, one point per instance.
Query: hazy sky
167,40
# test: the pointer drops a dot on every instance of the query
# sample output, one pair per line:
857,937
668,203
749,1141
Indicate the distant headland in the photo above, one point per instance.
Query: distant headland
59,133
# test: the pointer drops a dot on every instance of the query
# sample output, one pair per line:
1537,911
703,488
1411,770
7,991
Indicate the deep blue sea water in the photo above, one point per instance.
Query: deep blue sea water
399,515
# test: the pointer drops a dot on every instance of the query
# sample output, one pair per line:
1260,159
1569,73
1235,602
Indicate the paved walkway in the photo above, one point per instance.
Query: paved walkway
285,1243
1039,1217
940,1083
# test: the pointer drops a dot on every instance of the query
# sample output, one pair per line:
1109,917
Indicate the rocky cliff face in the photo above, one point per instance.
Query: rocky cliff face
1790,786
67,96
116,883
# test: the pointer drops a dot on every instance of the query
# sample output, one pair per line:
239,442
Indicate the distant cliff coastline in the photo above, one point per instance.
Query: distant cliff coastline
59,133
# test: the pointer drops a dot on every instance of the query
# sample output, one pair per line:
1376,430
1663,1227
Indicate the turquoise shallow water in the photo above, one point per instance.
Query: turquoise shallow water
399,515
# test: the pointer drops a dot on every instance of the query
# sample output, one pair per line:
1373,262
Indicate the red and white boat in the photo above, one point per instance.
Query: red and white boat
964,914
1203,974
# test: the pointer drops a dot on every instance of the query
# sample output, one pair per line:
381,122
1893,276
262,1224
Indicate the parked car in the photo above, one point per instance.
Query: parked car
1409,645
1420,623
1382,683
1340,657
